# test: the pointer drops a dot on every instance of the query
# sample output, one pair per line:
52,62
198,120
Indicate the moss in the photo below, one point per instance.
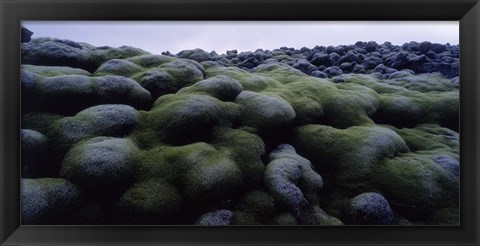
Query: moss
322,218
150,202
148,60
287,169
369,208
244,218
284,219
41,122
50,71
266,113
221,87
203,173
246,149
101,165
216,218
446,216
120,67
48,201
415,185
102,120
430,137
187,117
34,151
259,203
358,146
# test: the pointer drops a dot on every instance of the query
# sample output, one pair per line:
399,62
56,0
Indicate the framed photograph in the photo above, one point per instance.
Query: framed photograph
239,122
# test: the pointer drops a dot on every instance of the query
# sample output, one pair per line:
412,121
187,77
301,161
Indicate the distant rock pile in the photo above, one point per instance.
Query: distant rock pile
352,134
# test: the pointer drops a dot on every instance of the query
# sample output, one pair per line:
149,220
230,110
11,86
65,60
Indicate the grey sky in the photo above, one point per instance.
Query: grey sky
159,36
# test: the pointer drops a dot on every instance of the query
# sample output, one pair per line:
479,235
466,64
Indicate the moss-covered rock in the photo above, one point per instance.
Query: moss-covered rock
68,94
416,186
221,87
266,113
48,201
369,209
198,55
356,148
34,146
322,218
57,52
216,218
291,180
149,202
121,67
101,164
102,120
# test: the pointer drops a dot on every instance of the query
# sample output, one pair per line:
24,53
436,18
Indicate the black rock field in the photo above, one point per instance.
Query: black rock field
359,134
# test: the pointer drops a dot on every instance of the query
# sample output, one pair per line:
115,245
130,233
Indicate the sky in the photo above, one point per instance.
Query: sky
220,36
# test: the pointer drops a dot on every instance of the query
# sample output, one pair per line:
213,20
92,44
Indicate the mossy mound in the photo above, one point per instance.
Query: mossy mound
291,180
221,87
68,94
49,201
265,113
102,120
101,164
216,218
34,152
417,186
370,208
150,202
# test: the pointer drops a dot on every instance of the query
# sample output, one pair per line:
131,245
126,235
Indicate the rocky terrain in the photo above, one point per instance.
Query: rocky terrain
347,135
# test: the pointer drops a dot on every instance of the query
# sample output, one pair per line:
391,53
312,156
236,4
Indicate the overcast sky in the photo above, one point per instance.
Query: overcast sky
220,36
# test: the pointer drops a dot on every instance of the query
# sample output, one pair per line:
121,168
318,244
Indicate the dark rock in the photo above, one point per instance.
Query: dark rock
198,55
320,59
347,66
305,67
250,63
25,35
358,69
371,62
333,71
319,74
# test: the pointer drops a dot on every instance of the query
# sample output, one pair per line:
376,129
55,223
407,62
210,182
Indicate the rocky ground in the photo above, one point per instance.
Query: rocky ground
352,134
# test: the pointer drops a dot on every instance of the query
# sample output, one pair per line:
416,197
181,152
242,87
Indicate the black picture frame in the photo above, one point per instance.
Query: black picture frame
14,11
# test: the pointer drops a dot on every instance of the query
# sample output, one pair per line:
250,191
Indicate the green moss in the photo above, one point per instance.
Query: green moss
246,149
49,201
284,219
148,60
149,202
221,87
259,203
101,164
289,178
416,185
41,122
245,218
266,113
430,137
322,218
184,118
120,67
49,71
446,216
348,156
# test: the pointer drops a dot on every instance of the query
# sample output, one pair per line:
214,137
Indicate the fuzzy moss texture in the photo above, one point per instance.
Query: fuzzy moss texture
134,138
